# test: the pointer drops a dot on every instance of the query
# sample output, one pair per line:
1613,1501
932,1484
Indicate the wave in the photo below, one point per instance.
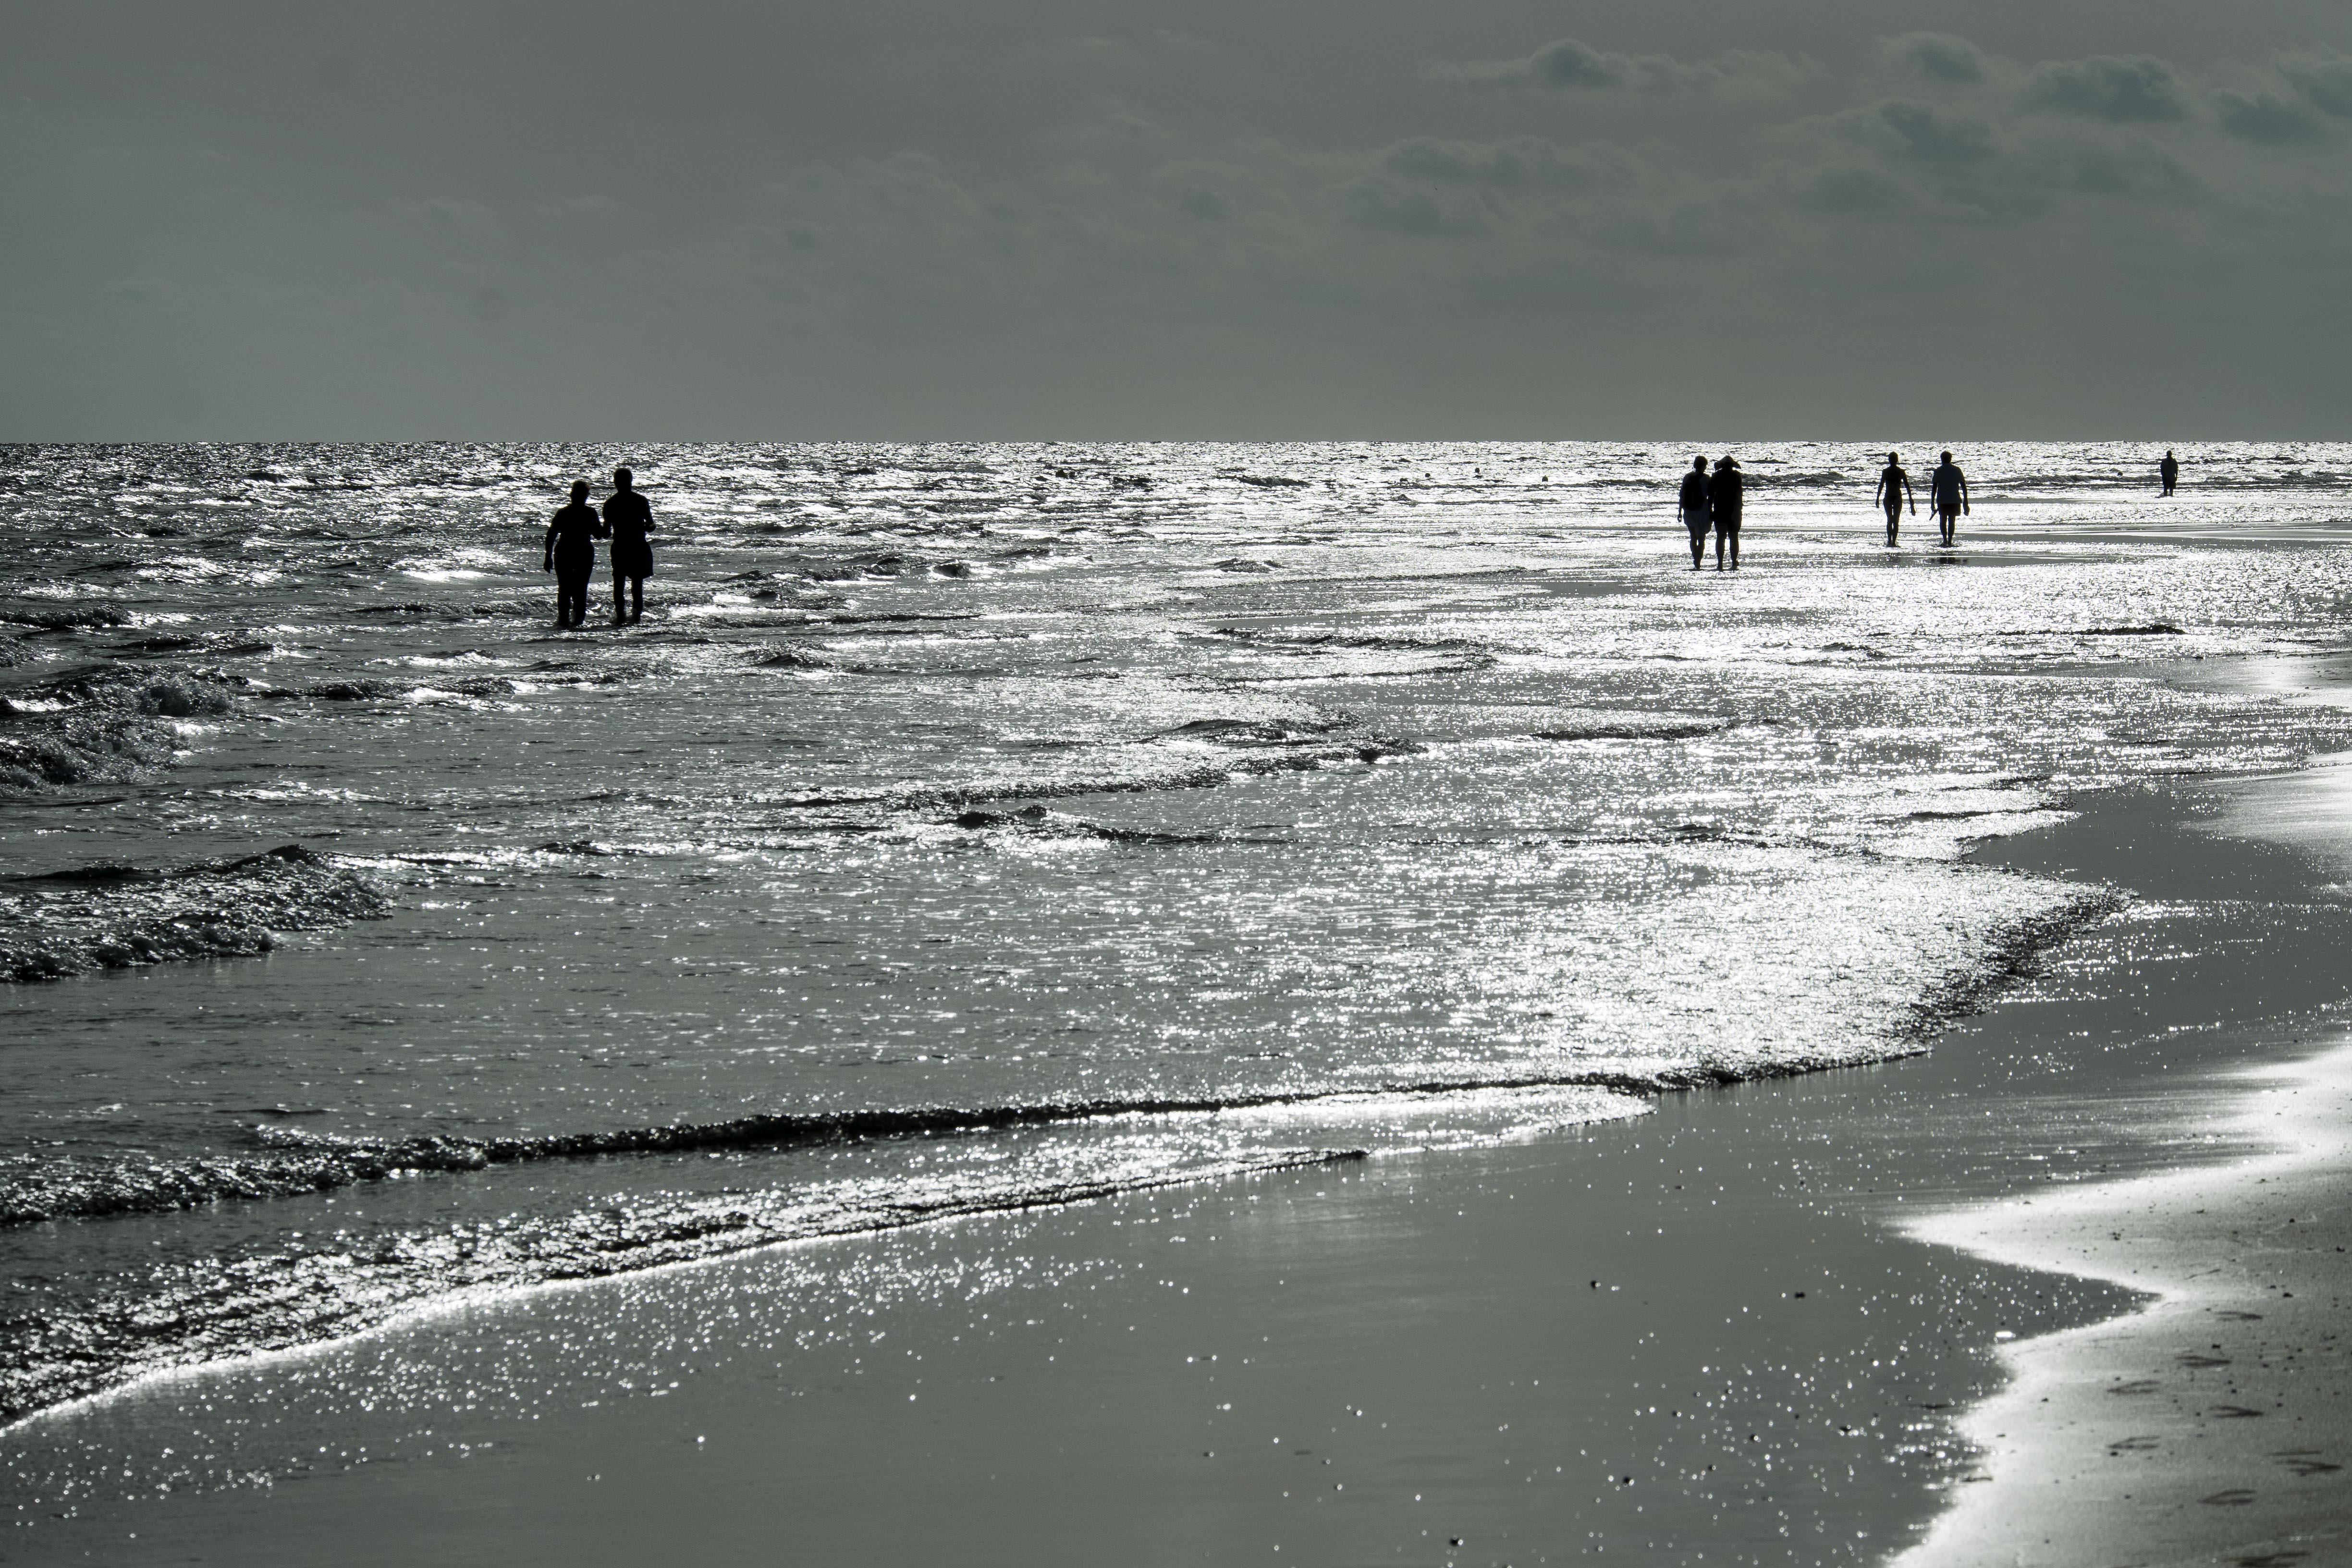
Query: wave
1036,821
1378,642
99,726
1604,724
74,1342
296,1162
1289,758
1253,731
71,922
69,1337
374,690
84,618
292,1161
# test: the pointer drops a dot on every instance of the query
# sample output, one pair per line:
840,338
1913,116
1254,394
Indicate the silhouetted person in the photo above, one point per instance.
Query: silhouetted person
1893,490
571,556
629,520
1694,507
1722,496
2169,470
1949,488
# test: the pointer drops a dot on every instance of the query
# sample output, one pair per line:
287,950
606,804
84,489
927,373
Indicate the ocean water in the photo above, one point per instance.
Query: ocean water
974,827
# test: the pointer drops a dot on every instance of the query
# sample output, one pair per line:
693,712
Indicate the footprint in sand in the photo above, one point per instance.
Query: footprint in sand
2122,1446
2235,1496
2137,1386
2305,1462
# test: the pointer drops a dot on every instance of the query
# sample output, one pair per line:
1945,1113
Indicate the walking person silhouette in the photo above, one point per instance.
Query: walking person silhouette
1693,505
571,538
1723,497
1893,490
1949,488
629,519
2169,470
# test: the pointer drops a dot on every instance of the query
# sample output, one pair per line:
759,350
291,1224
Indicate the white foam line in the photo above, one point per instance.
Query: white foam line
2211,1424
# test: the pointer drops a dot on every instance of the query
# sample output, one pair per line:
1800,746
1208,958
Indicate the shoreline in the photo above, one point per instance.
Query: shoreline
2210,1423
1732,1254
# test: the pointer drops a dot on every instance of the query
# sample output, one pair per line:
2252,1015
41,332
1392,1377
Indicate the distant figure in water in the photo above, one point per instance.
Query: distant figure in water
1893,490
629,521
1723,497
1949,488
1693,506
571,556
2169,470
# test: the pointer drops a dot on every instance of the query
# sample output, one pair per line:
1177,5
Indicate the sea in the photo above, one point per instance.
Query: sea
967,827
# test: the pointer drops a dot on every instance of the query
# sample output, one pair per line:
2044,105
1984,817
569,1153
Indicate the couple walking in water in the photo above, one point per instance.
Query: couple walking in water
1713,502
1947,491
571,538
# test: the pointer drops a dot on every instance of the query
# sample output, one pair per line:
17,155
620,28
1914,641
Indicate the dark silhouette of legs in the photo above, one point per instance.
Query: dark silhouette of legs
1948,519
1698,546
571,599
1894,522
631,589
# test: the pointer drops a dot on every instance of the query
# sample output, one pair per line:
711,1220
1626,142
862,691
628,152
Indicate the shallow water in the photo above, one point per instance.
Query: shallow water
969,826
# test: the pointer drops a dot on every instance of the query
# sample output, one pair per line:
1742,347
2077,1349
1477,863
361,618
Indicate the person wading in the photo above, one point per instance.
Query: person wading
1949,488
1893,490
629,521
1723,498
1694,507
572,556
2169,470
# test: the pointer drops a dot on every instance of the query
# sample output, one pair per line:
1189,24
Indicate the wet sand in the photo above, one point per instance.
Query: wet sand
1703,1336
2214,1426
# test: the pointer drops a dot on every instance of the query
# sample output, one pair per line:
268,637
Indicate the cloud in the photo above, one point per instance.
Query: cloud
1906,128
1378,202
1853,192
2121,89
2324,76
1521,160
1570,64
2266,118
1936,57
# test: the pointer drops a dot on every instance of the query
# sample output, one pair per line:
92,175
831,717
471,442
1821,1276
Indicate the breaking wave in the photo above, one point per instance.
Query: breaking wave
188,1314
102,726
117,917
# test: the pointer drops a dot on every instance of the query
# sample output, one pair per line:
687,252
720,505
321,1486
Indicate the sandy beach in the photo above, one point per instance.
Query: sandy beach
1707,1334
2210,1425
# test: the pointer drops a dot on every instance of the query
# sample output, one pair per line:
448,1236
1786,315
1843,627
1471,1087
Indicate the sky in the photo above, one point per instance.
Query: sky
1194,219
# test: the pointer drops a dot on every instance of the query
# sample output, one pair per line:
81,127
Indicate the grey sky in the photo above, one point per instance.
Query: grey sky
951,218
